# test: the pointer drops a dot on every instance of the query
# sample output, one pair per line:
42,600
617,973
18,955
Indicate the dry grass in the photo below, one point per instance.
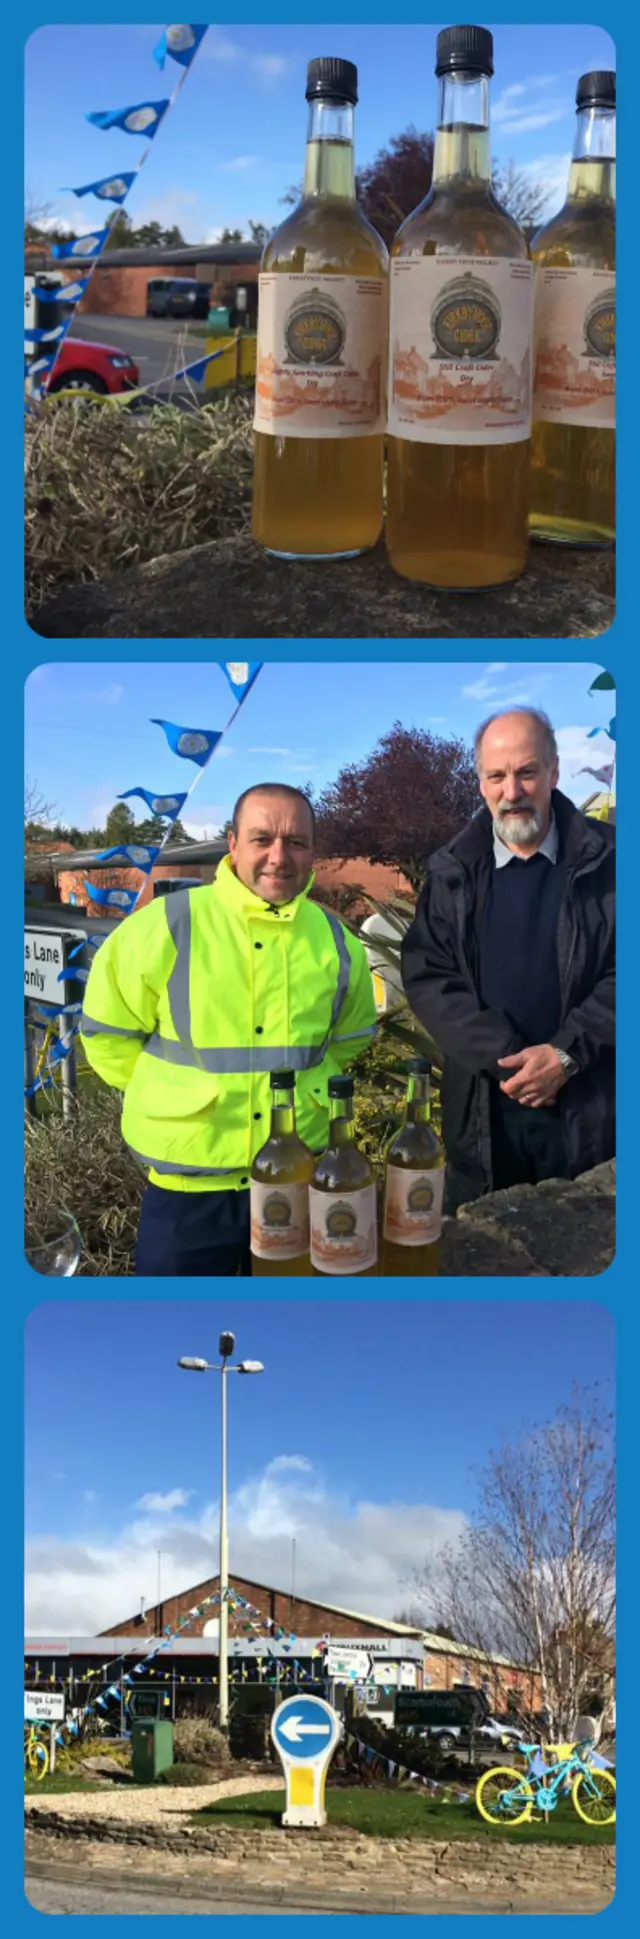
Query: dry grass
107,488
82,1166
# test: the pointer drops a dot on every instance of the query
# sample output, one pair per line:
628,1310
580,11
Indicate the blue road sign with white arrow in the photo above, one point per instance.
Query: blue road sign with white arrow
304,1727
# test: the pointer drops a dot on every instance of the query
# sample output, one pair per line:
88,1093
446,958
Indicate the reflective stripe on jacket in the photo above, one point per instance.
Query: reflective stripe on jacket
194,1000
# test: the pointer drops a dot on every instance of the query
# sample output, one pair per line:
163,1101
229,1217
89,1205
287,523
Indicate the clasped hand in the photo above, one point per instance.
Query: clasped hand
537,1075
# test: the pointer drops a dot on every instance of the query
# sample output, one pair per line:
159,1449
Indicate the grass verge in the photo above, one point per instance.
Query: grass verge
398,1814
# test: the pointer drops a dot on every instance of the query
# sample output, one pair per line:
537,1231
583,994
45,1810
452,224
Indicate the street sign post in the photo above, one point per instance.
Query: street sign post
44,959
305,1731
44,1706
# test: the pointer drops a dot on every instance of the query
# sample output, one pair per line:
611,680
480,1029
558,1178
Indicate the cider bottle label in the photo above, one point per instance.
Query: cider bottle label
460,336
321,357
413,1205
575,347
344,1236
279,1221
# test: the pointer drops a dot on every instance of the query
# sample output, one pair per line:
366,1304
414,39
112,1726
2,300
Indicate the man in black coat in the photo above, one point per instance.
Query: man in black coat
510,965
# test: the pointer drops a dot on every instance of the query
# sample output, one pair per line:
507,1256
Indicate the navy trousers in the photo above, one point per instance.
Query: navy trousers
526,1146
196,1235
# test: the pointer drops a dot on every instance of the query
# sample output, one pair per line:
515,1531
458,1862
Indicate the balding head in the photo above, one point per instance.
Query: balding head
272,841
517,762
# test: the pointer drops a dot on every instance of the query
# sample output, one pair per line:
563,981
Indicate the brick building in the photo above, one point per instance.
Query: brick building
333,877
446,1663
118,284
292,1613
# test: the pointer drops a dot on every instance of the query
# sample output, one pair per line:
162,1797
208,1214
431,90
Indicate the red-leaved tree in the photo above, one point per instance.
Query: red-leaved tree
414,792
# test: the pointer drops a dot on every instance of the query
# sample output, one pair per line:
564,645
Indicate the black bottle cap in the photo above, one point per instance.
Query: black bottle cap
596,90
329,79
282,1080
340,1087
465,49
419,1066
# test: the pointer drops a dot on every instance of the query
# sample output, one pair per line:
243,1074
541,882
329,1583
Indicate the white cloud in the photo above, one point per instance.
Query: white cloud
271,66
216,48
203,823
514,114
502,694
239,163
550,173
110,695
165,1504
577,751
356,1553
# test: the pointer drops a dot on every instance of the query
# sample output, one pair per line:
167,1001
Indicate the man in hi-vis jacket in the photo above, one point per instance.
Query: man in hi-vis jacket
194,1000
510,964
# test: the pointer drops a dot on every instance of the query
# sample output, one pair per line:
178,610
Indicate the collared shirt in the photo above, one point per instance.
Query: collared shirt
549,847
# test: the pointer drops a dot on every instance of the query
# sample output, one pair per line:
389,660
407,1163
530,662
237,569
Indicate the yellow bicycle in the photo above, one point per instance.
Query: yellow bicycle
36,1755
508,1797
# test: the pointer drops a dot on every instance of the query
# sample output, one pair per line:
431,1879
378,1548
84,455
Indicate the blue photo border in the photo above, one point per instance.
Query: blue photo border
617,650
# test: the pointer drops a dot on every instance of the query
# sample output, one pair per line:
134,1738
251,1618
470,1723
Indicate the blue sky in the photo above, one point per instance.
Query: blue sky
358,1441
89,737
234,142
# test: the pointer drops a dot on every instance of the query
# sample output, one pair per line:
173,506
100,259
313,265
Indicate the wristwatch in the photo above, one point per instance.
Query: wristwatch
569,1065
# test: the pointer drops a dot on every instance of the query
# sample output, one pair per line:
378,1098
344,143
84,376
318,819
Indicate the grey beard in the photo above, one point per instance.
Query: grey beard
521,828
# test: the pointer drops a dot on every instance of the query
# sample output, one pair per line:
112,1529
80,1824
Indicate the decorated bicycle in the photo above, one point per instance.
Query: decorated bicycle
553,1773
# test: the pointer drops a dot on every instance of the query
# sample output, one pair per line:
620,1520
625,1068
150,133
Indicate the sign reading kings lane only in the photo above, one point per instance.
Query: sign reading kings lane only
305,1731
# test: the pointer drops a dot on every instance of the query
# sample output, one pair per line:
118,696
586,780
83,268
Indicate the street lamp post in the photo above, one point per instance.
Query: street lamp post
225,1348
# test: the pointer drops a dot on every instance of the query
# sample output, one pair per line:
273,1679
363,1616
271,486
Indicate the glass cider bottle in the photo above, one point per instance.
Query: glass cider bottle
280,1176
342,1196
322,350
414,1184
574,400
460,353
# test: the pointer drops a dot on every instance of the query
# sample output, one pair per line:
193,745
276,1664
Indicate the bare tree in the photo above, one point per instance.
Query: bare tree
36,209
38,813
533,1575
525,200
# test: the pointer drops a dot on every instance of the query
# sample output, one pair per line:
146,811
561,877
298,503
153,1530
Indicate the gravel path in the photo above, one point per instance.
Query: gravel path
148,1804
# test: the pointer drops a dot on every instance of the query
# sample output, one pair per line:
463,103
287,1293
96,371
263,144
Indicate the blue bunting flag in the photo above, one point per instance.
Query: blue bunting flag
72,975
142,119
196,371
67,293
47,336
181,43
191,743
241,675
610,730
160,804
112,898
111,188
81,246
38,366
605,683
140,856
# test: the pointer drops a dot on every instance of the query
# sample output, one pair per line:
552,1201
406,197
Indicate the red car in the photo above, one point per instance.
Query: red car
93,366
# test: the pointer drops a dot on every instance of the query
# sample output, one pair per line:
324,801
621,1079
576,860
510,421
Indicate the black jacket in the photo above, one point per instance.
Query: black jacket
440,976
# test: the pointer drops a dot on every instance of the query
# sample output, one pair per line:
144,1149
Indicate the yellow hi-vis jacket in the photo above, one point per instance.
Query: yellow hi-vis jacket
196,998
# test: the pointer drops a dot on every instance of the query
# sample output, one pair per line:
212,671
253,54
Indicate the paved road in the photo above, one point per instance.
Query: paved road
64,1888
50,1895
160,346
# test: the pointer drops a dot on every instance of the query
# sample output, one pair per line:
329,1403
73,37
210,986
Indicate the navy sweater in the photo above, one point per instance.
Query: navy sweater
518,956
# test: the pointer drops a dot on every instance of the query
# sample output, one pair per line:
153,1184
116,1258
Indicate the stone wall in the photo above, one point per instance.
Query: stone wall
229,589
560,1229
